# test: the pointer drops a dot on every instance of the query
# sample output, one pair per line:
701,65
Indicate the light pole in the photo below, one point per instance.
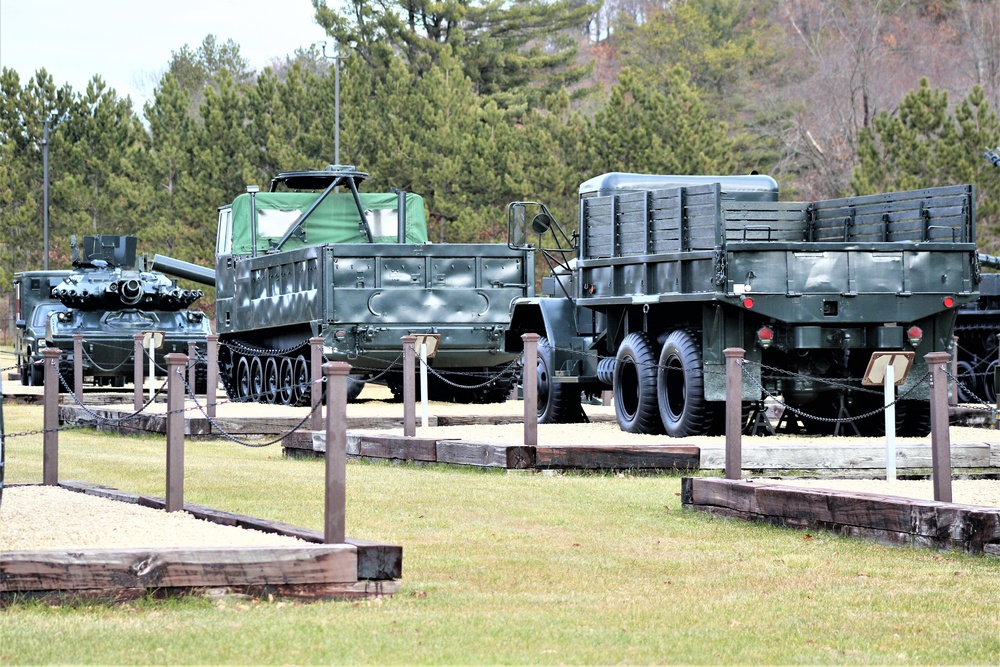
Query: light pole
336,101
45,183
45,188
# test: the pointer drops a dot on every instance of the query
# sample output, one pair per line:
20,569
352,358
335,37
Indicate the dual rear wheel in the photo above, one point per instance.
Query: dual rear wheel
658,387
665,392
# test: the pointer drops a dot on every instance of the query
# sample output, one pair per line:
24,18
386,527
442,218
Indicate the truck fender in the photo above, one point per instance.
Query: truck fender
553,318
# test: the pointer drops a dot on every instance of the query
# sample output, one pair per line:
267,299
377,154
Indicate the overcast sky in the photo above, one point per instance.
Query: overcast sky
128,42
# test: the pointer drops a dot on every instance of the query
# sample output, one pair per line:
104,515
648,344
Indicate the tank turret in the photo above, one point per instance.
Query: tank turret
105,277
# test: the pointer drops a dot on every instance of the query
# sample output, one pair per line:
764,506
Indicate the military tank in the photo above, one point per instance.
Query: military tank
108,299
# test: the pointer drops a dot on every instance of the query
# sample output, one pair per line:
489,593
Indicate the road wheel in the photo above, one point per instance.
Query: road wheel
271,380
557,403
286,389
256,380
301,379
635,385
968,389
242,379
680,387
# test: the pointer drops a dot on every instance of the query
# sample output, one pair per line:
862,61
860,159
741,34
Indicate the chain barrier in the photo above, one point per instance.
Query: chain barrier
98,366
10,368
984,404
229,436
492,377
99,418
831,420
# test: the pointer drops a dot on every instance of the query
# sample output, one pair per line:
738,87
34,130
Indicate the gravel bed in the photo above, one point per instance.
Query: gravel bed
39,518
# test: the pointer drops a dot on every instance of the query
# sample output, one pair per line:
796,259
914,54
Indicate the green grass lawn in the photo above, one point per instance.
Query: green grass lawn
515,568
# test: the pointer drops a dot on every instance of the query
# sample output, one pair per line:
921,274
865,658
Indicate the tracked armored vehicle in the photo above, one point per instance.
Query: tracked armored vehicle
668,271
977,327
305,260
108,300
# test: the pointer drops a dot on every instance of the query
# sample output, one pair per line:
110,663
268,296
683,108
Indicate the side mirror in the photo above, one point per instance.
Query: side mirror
21,324
517,217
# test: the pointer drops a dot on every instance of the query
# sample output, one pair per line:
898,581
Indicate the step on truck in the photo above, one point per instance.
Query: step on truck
666,272
315,257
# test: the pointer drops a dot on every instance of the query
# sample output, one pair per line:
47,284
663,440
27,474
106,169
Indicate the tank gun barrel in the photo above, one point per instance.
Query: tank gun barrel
182,269
991,261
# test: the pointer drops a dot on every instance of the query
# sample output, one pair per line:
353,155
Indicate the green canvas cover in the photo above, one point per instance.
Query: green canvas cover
335,220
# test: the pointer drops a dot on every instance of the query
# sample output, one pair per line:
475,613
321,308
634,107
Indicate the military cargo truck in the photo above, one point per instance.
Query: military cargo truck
33,305
669,271
305,260
108,299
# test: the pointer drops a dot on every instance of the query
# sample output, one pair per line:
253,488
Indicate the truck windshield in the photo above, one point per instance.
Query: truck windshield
44,311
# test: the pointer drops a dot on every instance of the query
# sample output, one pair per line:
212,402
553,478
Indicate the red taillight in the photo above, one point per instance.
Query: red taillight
748,302
948,302
914,335
765,337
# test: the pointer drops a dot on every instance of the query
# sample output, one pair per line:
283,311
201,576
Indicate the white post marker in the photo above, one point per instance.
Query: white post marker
887,369
890,424
423,383
152,367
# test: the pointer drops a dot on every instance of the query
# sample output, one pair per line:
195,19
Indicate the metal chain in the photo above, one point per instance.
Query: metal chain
492,378
831,420
99,418
835,382
98,366
984,404
231,437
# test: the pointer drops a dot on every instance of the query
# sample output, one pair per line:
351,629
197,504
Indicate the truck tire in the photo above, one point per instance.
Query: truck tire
355,383
36,375
680,387
635,385
558,403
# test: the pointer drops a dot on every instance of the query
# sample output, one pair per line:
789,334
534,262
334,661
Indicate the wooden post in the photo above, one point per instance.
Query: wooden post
937,363
953,384
212,384
336,451
175,431
78,365
734,412
192,363
50,418
530,380
137,372
315,373
409,406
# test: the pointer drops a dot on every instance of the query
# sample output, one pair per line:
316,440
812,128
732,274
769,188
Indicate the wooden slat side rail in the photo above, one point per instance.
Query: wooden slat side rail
887,519
144,568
